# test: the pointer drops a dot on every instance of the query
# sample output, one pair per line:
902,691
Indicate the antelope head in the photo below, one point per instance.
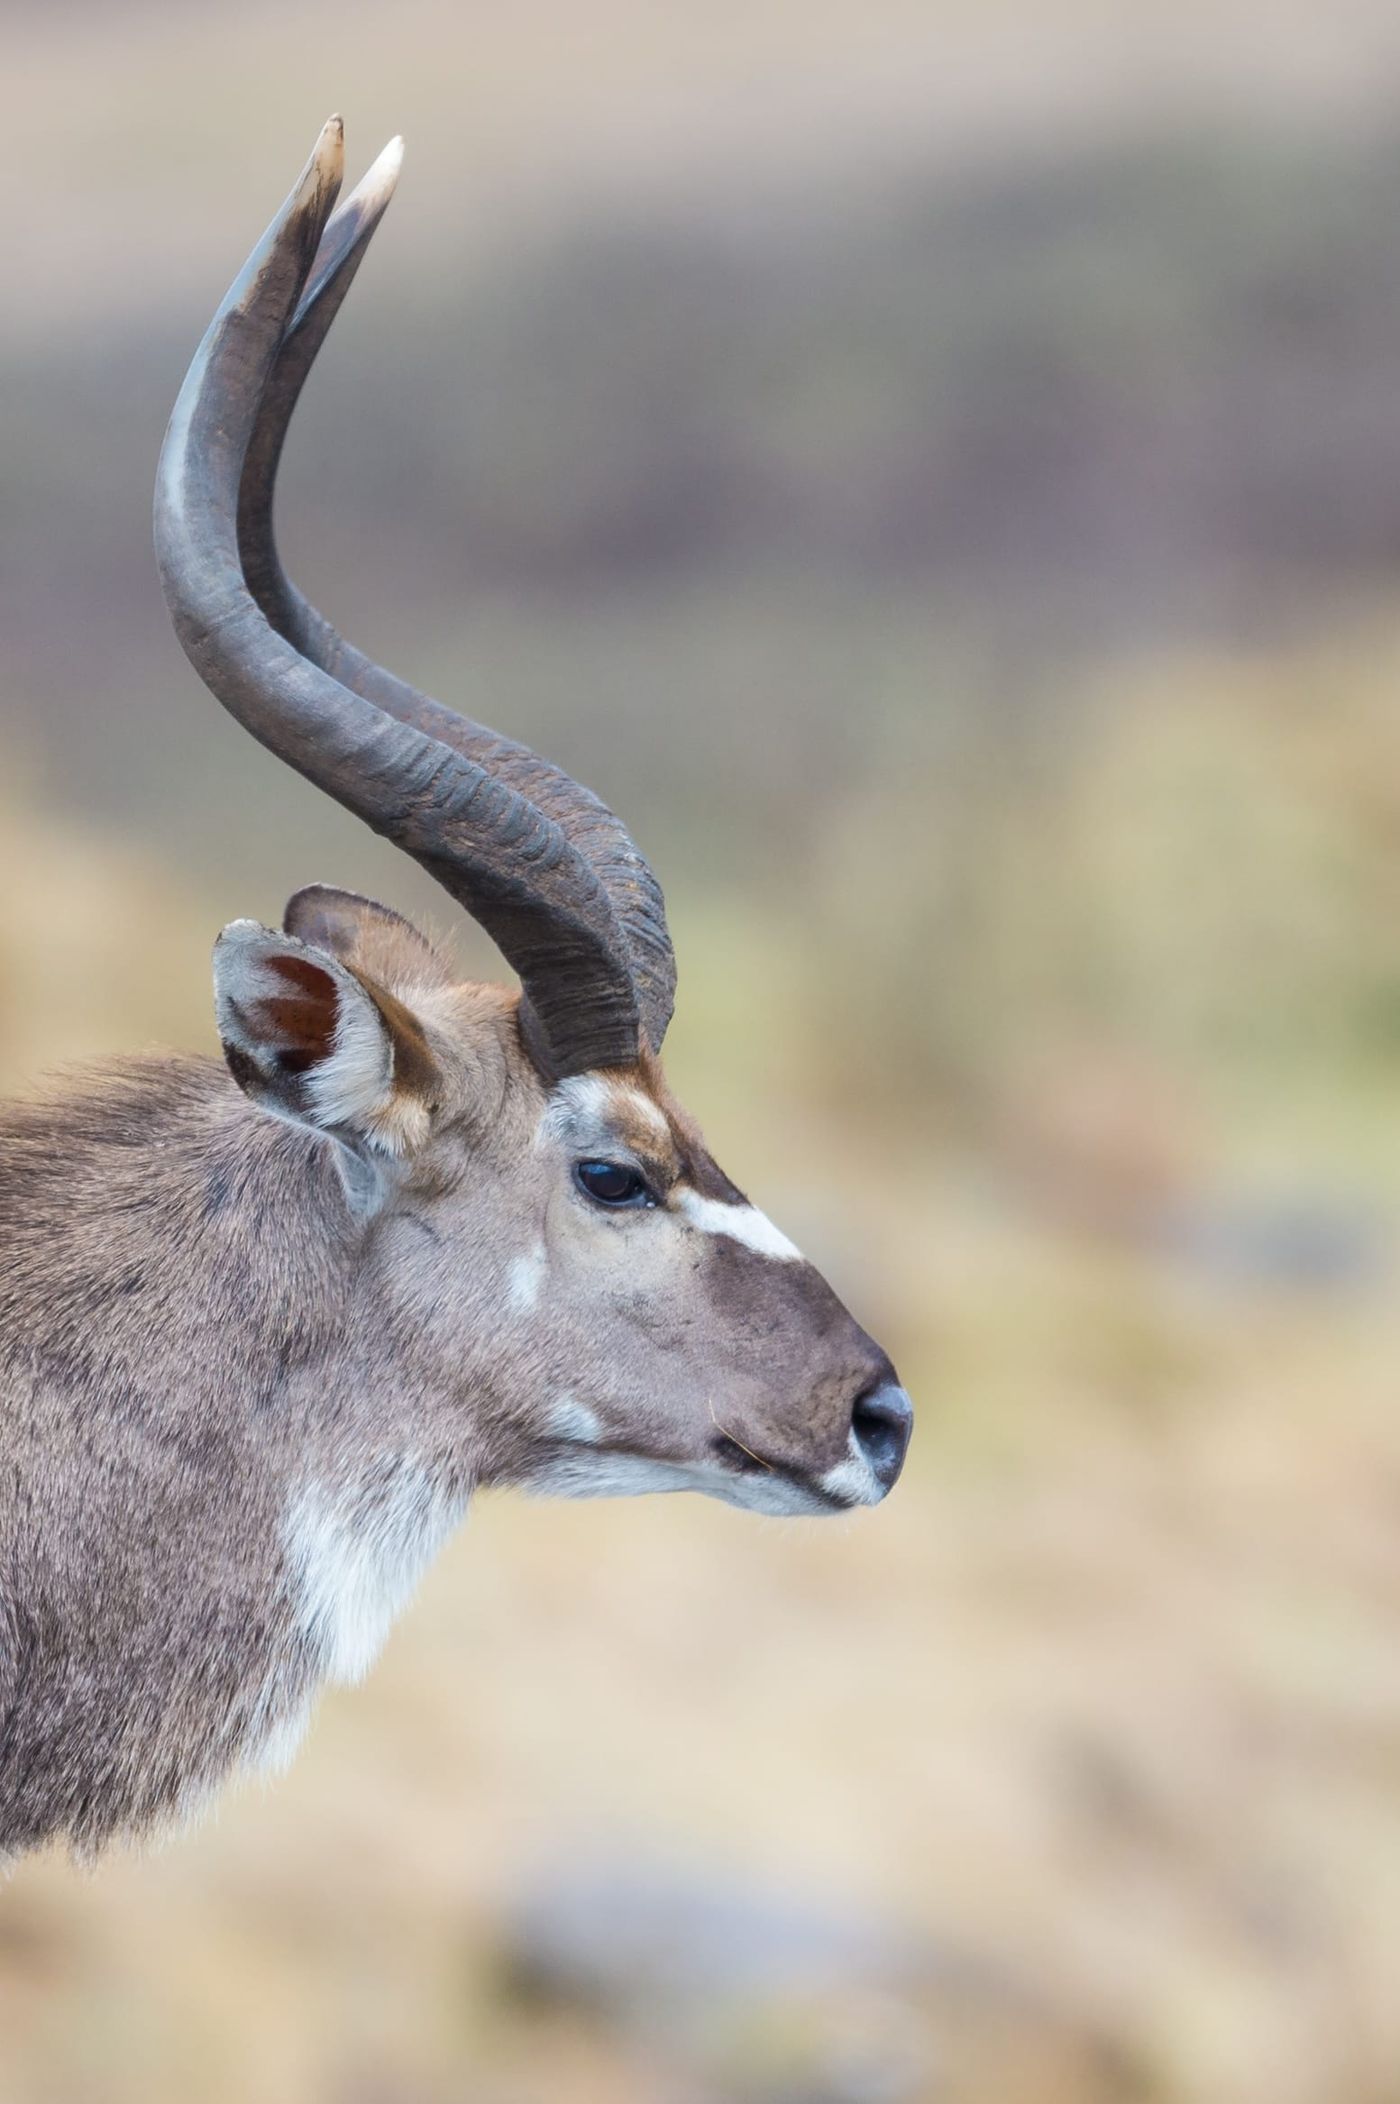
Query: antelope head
579,1298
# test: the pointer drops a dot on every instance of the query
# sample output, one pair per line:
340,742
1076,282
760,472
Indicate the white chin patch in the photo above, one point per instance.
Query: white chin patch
741,1223
853,1481
604,1474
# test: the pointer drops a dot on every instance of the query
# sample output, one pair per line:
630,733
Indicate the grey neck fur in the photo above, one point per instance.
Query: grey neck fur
252,1365
192,1332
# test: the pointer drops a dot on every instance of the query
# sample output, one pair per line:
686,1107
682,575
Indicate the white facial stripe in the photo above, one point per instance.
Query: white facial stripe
525,1278
591,1102
574,1421
583,1098
742,1223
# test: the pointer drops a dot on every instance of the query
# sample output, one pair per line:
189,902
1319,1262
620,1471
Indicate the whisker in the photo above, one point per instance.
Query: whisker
725,1434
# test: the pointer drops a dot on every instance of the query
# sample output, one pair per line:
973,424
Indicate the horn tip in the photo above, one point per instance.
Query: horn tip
328,154
380,179
376,186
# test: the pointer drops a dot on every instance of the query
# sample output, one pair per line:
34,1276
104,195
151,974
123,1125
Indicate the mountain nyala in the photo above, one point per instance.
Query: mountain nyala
266,1323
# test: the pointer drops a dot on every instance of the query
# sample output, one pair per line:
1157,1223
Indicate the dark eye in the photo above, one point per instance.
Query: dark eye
608,1183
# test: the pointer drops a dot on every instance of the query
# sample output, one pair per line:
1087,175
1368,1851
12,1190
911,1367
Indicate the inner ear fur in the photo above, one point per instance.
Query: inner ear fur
317,1041
371,938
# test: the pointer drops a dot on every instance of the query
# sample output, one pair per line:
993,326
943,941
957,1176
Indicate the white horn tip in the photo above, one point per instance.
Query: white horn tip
376,185
389,162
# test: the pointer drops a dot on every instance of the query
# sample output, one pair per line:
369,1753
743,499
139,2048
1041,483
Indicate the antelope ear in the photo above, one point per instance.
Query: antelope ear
365,935
314,1041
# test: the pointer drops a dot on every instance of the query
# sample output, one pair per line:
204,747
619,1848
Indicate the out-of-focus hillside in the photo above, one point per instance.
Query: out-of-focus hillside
102,949
807,497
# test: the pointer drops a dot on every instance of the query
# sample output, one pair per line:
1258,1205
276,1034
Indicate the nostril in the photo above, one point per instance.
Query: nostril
882,1420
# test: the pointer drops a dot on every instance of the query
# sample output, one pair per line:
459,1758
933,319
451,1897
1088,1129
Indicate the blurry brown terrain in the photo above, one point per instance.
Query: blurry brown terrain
939,475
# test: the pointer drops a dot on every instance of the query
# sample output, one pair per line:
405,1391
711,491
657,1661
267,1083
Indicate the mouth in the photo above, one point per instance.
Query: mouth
574,1470
845,1488
877,1442
576,1463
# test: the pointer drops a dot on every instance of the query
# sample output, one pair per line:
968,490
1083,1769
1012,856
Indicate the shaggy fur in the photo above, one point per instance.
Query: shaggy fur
262,1331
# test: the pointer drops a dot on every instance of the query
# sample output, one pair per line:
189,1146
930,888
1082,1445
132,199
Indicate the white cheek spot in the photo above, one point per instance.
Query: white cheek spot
741,1223
357,1553
574,1421
526,1277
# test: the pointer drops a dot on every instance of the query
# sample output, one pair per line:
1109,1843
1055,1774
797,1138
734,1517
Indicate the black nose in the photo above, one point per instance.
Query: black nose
882,1420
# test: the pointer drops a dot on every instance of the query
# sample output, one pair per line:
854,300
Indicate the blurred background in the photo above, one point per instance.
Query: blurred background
936,469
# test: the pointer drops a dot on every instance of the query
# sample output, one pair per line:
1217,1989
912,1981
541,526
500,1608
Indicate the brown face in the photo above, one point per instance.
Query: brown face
681,1342
570,1278
602,1299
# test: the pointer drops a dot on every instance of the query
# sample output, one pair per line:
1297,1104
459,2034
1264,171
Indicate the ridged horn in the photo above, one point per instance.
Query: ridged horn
453,796
625,876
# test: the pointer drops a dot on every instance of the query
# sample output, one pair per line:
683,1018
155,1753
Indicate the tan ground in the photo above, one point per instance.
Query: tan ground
1107,1699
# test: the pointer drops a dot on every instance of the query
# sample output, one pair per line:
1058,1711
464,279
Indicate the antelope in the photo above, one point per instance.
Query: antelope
267,1324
